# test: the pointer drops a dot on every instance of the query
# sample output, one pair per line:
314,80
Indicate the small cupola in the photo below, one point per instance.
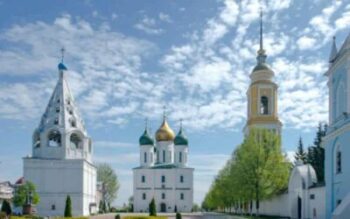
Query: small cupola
146,139
180,138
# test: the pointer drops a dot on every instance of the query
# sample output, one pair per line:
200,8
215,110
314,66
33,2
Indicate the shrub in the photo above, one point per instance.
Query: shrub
117,216
152,208
178,215
68,208
6,207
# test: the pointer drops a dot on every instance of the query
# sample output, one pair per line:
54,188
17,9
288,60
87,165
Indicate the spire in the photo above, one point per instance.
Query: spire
334,51
261,58
164,113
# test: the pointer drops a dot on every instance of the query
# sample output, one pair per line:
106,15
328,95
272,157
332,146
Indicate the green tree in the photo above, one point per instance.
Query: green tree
262,169
300,154
22,193
152,208
68,207
316,153
178,215
6,207
110,183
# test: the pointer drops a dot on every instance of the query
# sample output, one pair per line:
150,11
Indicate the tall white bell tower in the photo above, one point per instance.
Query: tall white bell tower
61,161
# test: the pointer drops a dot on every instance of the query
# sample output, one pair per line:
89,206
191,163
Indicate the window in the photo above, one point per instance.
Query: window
54,139
180,157
145,157
75,141
158,157
36,140
53,207
163,195
56,121
143,179
340,104
338,162
144,196
181,179
264,105
163,179
164,156
312,196
182,197
73,123
57,109
338,202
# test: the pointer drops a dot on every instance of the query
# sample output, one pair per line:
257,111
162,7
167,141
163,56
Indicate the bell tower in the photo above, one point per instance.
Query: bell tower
262,94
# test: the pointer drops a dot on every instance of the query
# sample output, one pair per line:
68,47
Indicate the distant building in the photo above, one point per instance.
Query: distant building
336,141
6,191
163,173
61,161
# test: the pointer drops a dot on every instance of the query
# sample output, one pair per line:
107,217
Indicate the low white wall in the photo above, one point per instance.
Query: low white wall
276,206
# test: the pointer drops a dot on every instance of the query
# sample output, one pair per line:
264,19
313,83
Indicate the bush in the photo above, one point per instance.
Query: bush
152,208
178,215
68,208
117,216
6,207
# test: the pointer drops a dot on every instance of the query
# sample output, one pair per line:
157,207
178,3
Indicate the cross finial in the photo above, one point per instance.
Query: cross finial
181,123
164,112
62,53
146,123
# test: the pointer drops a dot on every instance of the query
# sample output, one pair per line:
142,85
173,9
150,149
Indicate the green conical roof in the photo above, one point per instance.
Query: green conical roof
180,138
145,139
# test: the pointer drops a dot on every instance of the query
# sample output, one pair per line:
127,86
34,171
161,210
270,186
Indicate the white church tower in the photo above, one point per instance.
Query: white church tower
163,173
61,161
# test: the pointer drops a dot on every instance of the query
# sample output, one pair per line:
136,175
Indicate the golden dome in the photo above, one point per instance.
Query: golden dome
165,133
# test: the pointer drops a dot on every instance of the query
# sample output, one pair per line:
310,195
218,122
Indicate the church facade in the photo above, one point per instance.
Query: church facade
163,174
336,141
61,161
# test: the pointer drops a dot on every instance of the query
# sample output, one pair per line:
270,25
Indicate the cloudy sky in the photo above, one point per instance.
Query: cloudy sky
128,59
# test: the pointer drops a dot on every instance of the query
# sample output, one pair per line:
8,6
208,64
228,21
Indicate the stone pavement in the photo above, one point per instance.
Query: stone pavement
172,216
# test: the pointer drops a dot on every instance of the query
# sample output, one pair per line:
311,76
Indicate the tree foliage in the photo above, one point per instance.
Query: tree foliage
152,208
316,155
68,207
301,154
110,183
22,193
256,171
6,207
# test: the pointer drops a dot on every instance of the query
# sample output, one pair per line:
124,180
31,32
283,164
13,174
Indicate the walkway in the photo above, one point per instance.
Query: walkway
172,216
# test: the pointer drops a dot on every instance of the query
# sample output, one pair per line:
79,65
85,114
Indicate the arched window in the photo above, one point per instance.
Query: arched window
54,138
56,121
338,161
163,179
144,196
72,122
264,105
164,156
145,157
143,179
181,178
180,157
75,141
36,140
340,104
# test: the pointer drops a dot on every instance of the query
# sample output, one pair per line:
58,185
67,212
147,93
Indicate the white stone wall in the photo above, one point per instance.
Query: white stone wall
56,179
172,188
276,206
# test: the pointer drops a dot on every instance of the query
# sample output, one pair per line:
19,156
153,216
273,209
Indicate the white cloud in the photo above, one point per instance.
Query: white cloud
164,17
113,144
149,25
306,42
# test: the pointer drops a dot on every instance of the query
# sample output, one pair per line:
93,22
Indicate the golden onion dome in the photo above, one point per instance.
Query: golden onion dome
165,133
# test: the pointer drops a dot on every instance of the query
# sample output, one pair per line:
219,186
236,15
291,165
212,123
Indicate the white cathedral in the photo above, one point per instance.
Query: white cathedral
61,161
163,173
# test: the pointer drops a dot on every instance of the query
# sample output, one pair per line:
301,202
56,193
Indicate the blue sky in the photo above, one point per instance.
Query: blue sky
127,59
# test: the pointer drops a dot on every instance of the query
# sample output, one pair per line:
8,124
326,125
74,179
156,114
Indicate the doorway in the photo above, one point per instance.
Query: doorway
163,207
